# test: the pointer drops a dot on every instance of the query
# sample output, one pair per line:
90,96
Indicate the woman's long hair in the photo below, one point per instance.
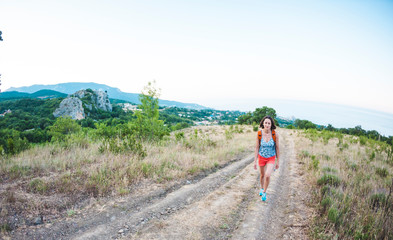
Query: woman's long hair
271,120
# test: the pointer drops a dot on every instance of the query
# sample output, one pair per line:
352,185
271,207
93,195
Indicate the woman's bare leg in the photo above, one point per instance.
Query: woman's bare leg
262,175
268,171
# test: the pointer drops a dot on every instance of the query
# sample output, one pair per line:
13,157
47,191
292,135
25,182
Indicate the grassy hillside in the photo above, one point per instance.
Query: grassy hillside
56,176
351,180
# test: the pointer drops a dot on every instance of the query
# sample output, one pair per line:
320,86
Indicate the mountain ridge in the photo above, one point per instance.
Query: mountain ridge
43,94
114,93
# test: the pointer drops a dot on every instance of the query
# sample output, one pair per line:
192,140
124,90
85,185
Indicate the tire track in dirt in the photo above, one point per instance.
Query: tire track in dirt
208,218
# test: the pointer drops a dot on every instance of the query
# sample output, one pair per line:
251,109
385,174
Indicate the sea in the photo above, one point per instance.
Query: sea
339,116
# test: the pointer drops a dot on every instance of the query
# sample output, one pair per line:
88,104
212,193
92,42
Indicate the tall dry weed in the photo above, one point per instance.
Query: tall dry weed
352,181
88,169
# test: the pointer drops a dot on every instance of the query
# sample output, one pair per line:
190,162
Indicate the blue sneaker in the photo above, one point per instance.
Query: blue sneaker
260,192
263,196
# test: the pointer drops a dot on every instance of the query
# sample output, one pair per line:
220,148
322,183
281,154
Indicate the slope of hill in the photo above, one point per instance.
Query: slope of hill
45,93
42,94
13,94
115,93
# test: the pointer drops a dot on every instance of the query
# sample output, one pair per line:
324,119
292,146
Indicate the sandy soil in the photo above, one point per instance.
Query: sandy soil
221,205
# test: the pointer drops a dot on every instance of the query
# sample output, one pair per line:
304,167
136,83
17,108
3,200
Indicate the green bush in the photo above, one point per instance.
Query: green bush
36,135
127,145
325,190
326,203
333,215
329,179
363,140
13,143
79,139
105,132
179,126
179,136
62,127
327,135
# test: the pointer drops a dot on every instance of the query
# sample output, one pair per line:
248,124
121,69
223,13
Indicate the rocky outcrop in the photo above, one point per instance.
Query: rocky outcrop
99,99
71,107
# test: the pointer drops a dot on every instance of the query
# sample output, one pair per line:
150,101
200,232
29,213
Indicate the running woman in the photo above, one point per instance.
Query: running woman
267,151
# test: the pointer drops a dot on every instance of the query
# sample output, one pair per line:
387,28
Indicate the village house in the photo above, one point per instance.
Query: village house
6,112
129,107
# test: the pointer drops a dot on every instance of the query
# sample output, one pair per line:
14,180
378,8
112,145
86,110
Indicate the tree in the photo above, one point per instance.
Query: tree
257,116
304,124
148,126
373,134
245,118
330,128
260,113
63,126
149,101
358,131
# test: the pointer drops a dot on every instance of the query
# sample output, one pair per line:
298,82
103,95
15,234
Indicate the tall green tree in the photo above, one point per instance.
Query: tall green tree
149,101
256,116
149,127
260,113
304,124
245,118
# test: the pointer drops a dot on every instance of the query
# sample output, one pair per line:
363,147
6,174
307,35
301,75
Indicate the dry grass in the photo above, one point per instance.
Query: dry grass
206,149
77,169
352,180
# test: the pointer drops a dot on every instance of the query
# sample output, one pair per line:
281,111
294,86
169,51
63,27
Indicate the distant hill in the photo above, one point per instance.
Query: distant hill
113,93
42,94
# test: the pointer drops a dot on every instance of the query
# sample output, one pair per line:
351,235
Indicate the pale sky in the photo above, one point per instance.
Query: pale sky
207,52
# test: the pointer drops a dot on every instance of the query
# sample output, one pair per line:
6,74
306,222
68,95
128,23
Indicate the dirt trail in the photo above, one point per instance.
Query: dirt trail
235,211
222,205
285,214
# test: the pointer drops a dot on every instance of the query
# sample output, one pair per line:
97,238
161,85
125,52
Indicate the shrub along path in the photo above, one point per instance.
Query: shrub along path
221,205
